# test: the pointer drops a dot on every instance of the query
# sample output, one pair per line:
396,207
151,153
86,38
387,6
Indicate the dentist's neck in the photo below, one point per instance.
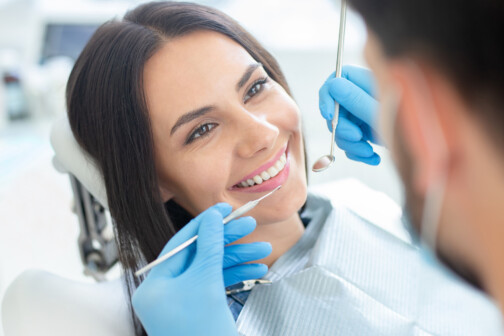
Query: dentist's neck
492,268
477,215
282,236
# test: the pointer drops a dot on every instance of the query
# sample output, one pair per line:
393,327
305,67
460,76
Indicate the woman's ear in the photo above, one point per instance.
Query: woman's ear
166,194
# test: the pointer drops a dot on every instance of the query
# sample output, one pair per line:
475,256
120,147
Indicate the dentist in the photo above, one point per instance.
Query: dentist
440,80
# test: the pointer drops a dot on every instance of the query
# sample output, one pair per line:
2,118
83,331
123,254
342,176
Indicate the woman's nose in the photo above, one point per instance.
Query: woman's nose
255,134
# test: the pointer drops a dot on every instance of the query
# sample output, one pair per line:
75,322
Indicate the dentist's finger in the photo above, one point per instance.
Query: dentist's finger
349,131
179,262
223,208
242,253
326,102
354,99
373,160
361,77
238,228
191,228
346,129
210,243
360,148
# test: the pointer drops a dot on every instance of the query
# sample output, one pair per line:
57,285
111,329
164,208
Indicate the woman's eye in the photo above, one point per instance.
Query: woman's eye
256,88
201,131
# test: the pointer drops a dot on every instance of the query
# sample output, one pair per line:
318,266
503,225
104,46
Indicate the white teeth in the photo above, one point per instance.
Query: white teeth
267,174
279,165
272,171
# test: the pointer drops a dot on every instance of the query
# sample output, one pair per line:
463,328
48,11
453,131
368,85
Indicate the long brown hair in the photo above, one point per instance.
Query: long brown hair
109,118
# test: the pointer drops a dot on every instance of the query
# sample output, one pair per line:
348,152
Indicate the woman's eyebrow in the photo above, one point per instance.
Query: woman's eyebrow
246,75
189,116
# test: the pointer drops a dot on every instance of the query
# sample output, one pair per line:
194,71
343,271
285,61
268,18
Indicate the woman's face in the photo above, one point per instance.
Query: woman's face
219,123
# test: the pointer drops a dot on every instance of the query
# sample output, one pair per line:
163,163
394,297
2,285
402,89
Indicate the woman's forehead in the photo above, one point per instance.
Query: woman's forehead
202,63
201,56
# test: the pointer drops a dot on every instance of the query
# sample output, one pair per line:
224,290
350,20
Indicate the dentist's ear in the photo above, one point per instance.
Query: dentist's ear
423,121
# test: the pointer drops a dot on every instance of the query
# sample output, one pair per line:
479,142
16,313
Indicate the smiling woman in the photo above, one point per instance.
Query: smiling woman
181,109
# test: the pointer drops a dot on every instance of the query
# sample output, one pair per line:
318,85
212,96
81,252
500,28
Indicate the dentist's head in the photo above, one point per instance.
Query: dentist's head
440,71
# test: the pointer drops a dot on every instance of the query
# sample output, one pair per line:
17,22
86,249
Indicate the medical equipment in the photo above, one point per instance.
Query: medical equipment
235,214
96,241
245,286
325,161
358,126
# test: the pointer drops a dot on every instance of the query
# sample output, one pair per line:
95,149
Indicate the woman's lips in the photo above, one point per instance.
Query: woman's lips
272,182
265,166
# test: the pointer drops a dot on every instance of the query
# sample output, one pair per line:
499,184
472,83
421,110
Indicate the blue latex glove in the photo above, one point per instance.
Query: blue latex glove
358,112
185,295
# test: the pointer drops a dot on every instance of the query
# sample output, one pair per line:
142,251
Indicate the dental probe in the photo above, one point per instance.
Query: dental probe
325,161
233,215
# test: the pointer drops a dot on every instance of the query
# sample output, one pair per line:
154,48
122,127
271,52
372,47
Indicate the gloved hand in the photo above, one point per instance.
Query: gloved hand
185,294
358,114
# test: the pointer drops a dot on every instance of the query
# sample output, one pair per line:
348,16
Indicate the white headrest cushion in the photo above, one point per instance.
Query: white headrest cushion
71,158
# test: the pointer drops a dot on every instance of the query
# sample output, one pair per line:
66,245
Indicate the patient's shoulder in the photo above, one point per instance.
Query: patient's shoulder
41,303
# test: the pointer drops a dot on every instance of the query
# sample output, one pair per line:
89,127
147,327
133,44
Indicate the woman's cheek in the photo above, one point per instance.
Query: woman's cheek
291,116
285,115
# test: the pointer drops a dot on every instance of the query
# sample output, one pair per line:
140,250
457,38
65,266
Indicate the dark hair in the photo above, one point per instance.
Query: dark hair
109,118
462,38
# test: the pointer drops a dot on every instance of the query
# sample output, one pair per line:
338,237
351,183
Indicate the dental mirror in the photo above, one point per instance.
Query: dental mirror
325,161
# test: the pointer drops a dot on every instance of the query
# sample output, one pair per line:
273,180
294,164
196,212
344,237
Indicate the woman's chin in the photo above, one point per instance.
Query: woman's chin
284,210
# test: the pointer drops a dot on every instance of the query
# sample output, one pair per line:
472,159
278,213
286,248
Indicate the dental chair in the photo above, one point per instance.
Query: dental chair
96,242
41,303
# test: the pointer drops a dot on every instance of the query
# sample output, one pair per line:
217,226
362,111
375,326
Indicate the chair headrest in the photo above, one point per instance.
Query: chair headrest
71,158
